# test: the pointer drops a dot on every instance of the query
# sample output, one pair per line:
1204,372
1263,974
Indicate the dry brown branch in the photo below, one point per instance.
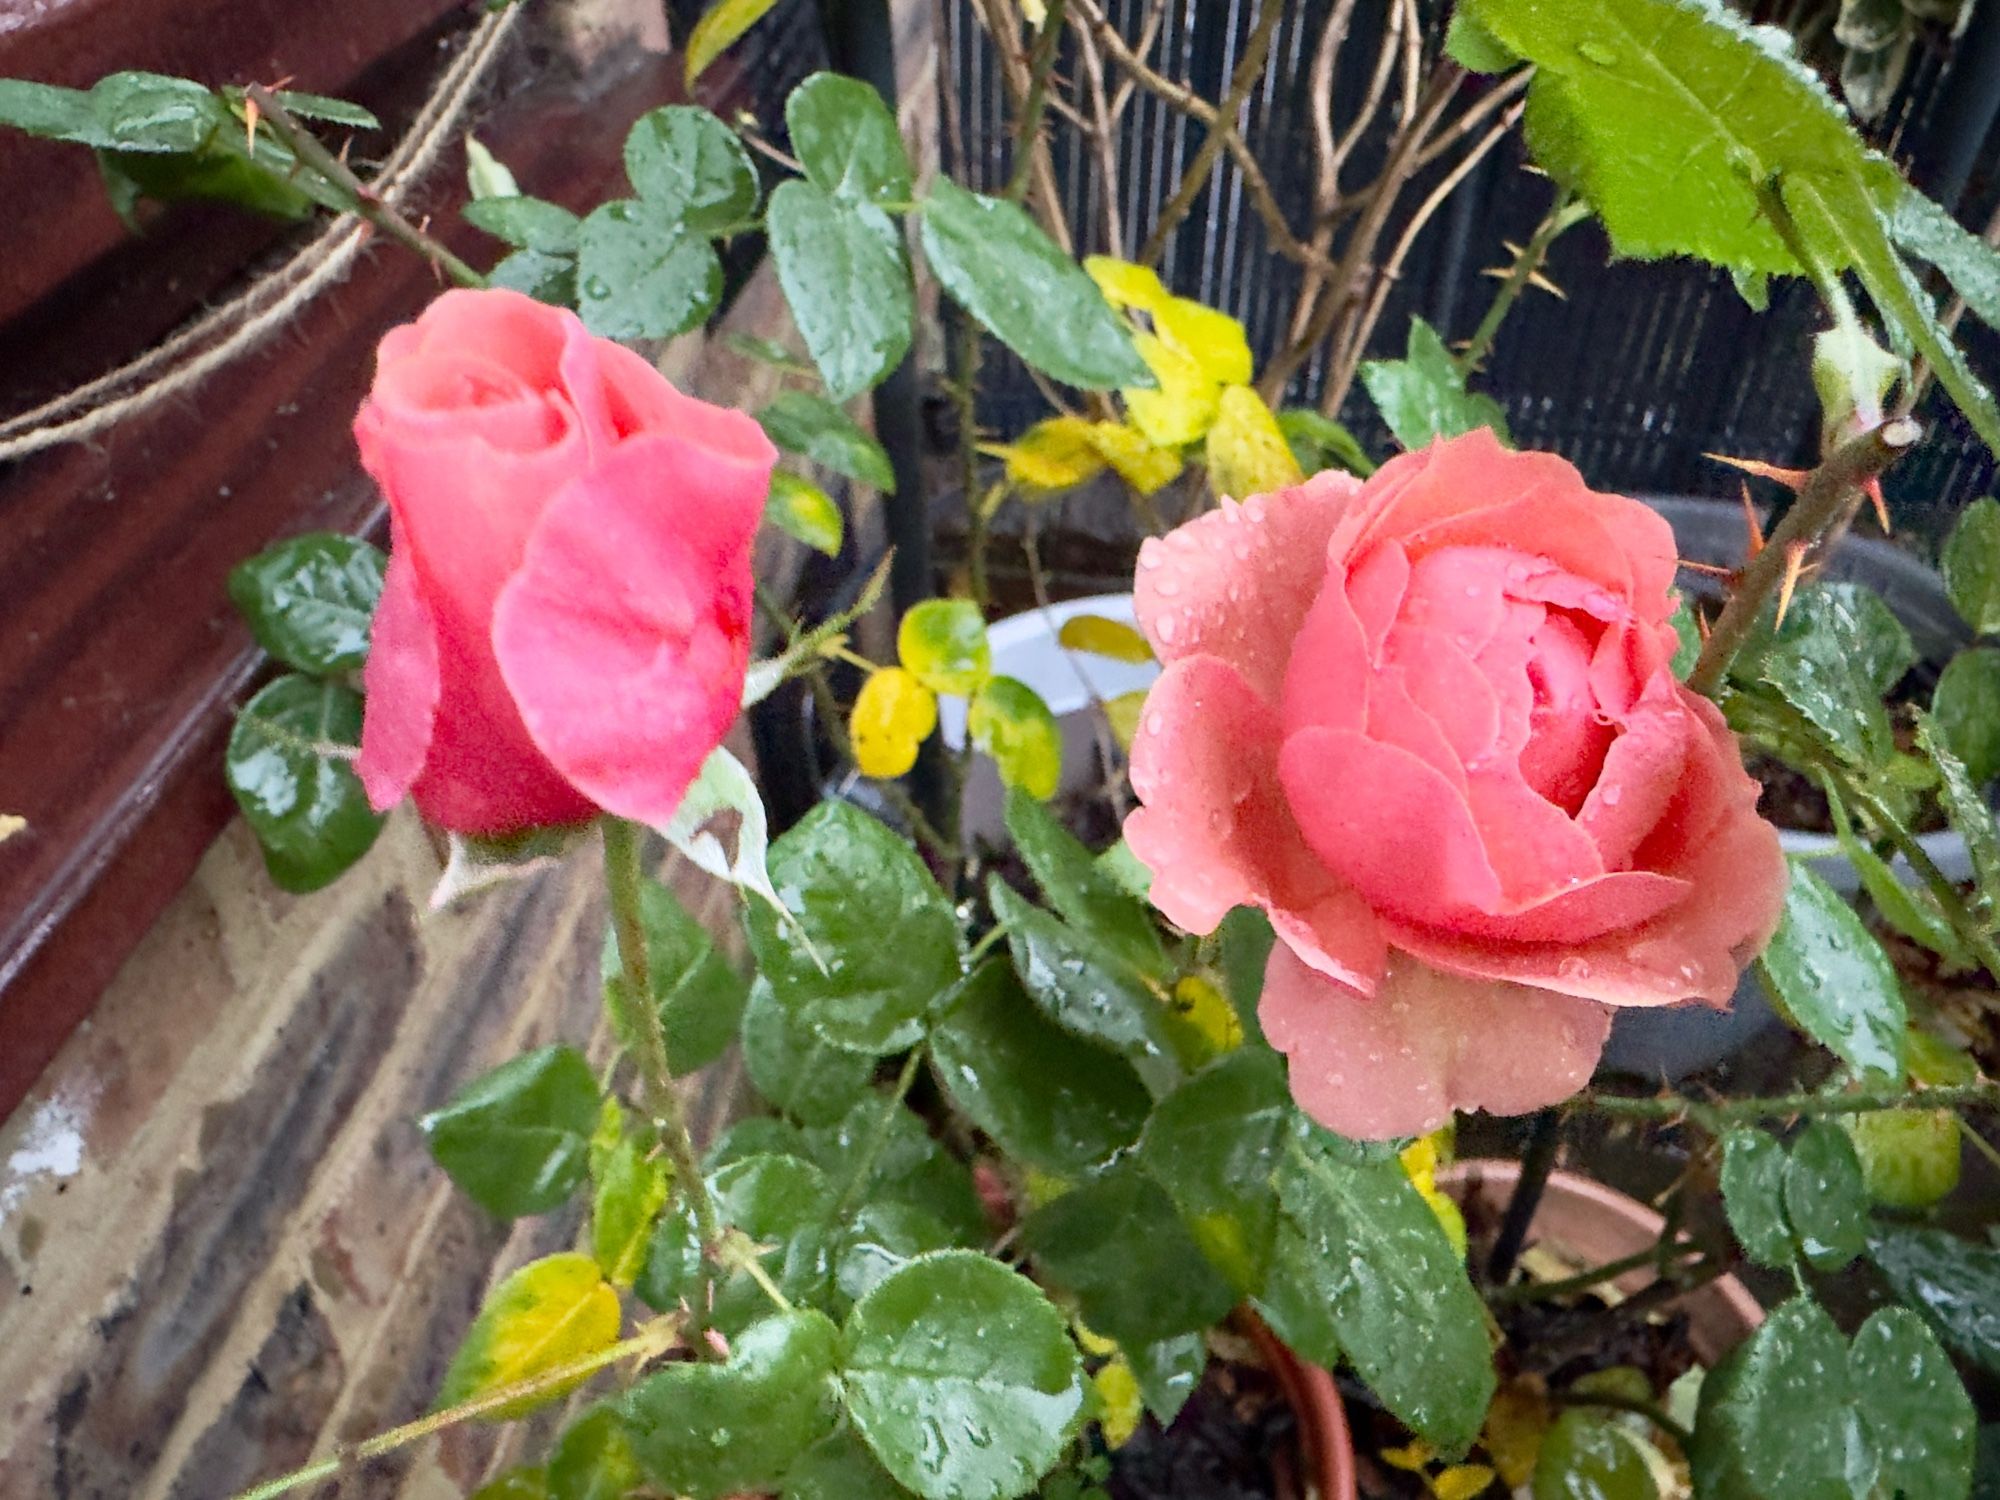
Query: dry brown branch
1004,26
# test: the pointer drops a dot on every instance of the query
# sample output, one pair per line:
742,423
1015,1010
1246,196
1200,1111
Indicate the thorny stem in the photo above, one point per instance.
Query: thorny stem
633,996
655,1337
1718,1116
1827,497
1565,212
367,202
1028,129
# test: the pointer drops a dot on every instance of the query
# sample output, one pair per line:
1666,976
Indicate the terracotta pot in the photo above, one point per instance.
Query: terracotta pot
1595,1225
1325,1444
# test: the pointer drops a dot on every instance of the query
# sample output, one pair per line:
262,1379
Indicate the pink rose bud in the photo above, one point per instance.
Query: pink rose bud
1430,725
566,620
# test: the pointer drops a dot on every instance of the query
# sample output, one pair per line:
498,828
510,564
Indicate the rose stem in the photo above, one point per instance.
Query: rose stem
1537,1161
1719,1116
1828,495
1565,212
367,202
632,998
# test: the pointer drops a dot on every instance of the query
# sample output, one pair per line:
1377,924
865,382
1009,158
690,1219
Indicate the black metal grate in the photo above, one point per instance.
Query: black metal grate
1638,373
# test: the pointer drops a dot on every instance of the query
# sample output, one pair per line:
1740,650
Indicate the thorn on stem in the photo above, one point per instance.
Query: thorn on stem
1795,561
1791,479
1873,489
1751,523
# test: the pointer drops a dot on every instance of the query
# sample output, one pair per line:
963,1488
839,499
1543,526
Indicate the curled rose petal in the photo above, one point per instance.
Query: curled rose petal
401,679
1425,1044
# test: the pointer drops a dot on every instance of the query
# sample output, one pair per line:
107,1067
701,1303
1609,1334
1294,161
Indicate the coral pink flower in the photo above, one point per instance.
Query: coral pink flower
566,621
1429,724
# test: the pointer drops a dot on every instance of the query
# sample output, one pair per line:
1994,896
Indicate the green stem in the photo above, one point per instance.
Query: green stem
1651,1411
857,1179
1827,497
1719,1116
367,202
1565,212
753,1267
654,1338
1653,1257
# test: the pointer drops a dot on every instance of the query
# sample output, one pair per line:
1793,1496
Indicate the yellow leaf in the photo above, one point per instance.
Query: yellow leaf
805,512
1413,1457
1200,1008
1516,1422
630,1189
1034,12
1093,1343
1215,341
943,641
1462,1482
1011,723
1247,453
1055,454
1039,1187
1119,1402
1102,637
1125,285
1140,464
1182,406
718,30
1123,714
893,714
548,1313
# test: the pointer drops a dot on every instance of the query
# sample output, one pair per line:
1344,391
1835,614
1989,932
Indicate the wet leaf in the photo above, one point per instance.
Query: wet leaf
1909,1157
643,273
1027,1083
1079,891
517,1140
1057,453
1970,814
999,266
847,281
1972,566
527,223
1101,636
532,273
700,997
910,1168
848,882
1834,979
1168,1372
813,427
288,765
840,1467
1838,652
630,1190
883,1238
1826,1201
1588,1455
1753,1186
594,1460
1953,1282
1913,1402
893,715
1139,463
1422,396
1247,453
706,1430
942,642
309,600
794,1067
721,26
550,1312
962,1378
690,167
671,1271
1319,443
1967,709
846,139
1009,722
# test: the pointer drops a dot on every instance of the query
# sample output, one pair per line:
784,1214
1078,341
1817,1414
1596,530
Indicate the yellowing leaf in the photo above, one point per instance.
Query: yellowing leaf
943,641
1516,1422
1183,404
893,714
1052,455
1140,464
1215,341
1125,285
1462,1482
1413,1457
1011,723
1123,714
630,1190
1247,453
1102,637
1093,1343
548,1313
804,511
1201,1009
1119,1403
718,30
1034,12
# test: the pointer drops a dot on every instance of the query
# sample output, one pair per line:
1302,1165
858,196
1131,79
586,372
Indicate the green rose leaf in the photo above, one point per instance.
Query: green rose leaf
1970,814
547,1314
1000,267
1587,1455
690,166
1025,1081
593,1460
700,998
840,1467
805,513
1116,1243
847,140
1086,989
961,1376
1753,1186
1214,1143
1318,442
1972,566
813,427
796,1068
721,26
1923,229
1778,1419
757,1135
1838,652
517,1140
884,1238
1009,722
942,643
1355,1238
867,909
1953,1282
1834,979
671,1272
527,223
309,600
910,1166
1246,939
534,273
771,1198
288,765
1915,1405
515,1484
1911,912
1826,1200
1423,396
643,273
630,1189
1083,895
707,1430
1967,709
151,112
1168,1372
1909,1157
847,281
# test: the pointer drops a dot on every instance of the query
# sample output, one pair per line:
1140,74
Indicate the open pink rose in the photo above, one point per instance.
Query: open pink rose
1429,724
566,621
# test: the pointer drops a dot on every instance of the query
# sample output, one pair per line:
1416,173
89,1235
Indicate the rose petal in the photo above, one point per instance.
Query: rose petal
1326,680
1376,586
1448,479
401,681
504,327
1642,771
625,635
1236,583
1428,1043
1449,689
